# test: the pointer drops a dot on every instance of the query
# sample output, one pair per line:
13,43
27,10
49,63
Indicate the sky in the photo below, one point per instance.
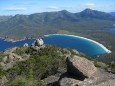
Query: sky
13,7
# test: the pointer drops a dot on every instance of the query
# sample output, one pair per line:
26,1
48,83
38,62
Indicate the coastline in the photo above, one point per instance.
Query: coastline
13,40
101,45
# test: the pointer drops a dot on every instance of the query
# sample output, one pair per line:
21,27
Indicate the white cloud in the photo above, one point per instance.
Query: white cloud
89,5
52,7
15,9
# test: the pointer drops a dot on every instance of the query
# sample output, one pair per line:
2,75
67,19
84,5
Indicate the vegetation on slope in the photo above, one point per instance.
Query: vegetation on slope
41,64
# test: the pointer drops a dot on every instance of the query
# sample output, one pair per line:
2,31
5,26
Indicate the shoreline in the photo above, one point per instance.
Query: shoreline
101,45
13,40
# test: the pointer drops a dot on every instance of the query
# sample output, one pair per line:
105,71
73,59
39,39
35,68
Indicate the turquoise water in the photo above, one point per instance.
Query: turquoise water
82,45
64,41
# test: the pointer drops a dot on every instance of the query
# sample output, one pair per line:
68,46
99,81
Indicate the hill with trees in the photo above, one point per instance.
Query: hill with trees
52,22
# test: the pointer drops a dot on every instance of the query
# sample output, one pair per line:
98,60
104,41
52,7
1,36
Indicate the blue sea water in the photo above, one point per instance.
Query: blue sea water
82,45
64,41
5,44
111,30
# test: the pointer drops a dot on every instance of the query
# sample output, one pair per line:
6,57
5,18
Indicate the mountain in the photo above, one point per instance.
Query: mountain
89,13
112,13
19,26
4,18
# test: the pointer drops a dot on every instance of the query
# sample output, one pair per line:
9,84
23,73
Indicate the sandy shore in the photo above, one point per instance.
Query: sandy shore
102,46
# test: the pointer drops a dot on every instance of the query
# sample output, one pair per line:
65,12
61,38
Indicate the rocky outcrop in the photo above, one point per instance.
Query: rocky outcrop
51,80
92,76
38,44
8,51
80,67
97,81
26,45
9,60
69,82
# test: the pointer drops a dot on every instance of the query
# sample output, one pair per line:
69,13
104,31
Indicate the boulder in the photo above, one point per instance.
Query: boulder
38,42
26,45
5,59
74,82
69,82
51,79
80,67
106,83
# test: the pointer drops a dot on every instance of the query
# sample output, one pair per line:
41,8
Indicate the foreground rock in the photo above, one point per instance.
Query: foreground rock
80,67
82,72
69,82
51,80
105,79
9,60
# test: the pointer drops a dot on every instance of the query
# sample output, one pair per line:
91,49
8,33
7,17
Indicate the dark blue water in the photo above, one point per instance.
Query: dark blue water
82,45
64,41
111,30
5,44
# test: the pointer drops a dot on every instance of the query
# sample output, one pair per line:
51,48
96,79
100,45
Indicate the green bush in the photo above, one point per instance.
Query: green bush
83,55
21,81
22,50
1,55
2,72
112,66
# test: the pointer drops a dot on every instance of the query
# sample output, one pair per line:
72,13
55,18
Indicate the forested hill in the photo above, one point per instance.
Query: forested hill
19,26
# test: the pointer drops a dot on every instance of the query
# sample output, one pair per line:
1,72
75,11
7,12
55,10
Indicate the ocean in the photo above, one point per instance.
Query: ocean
5,44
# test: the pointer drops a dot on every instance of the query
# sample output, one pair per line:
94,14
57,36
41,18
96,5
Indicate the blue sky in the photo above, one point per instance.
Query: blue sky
12,7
